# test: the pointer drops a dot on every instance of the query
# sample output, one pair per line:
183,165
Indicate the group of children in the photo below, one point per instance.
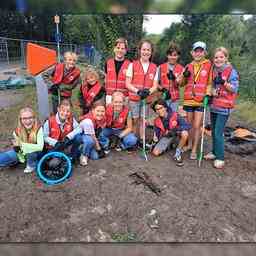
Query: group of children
112,115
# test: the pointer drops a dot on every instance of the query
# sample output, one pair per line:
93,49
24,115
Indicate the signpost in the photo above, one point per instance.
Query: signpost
57,21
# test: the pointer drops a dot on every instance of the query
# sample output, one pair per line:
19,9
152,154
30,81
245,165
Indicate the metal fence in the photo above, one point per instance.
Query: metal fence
13,52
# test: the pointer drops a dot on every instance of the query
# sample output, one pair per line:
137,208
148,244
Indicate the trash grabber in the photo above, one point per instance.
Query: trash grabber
144,128
200,156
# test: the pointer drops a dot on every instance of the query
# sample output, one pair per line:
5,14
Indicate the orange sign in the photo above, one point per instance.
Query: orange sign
39,58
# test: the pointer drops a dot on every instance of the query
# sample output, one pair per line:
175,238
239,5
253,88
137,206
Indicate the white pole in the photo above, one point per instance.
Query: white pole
57,21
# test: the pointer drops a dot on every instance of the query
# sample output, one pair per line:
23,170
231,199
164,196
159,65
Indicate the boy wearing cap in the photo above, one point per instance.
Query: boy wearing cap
197,80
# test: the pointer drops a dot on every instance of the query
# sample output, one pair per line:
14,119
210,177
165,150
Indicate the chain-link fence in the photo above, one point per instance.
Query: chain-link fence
13,52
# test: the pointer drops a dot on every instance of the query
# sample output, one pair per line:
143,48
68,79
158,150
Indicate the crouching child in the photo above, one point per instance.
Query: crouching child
28,142
92,125
62,130
167,126
119,125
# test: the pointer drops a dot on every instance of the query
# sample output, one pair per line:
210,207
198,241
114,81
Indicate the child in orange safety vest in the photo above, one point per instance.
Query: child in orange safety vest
224,93
141,82
115,69
90,90
197,80
168,74
62,79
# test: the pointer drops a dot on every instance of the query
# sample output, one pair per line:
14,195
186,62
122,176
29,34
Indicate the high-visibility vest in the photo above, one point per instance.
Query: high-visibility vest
90,94
116,82
196,87
68,79
96,123
54,130
118,123
170,85
32,136
141,80
173,121
224,98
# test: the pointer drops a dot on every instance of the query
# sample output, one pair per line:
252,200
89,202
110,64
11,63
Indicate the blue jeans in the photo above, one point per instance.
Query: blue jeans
127,141
89,149
10,157
218,122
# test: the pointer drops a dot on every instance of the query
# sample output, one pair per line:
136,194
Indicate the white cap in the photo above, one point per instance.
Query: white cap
199,44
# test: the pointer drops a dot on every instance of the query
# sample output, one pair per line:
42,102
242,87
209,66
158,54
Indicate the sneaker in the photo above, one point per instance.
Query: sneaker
209,156
118,148
83,160
28,169
106,151
219,164
178,160
193,156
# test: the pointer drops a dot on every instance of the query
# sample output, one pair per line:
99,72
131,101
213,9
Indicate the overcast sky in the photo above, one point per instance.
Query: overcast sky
157,23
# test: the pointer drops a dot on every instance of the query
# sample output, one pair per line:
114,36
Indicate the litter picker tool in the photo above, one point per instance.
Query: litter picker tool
144,153
200,156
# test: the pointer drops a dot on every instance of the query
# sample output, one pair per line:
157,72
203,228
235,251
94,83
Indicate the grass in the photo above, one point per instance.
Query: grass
124,237
245,110
8,116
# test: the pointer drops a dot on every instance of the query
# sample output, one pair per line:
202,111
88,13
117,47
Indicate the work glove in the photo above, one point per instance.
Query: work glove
66,141
218,79
166,94
101,153
98,131
143,93
16,148
59,146
186,73
170,75
54,89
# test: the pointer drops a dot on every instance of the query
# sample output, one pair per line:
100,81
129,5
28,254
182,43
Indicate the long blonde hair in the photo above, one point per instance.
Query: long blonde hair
23,134
224,51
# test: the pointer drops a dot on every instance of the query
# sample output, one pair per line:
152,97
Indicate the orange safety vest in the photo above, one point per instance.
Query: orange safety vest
90,94
55,131
118,123
30,138
196,87
172,123
170,85
141,80
116,82
96,123
224,99
68,79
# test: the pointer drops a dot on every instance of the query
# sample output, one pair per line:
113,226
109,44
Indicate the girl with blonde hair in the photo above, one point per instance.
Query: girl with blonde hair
28,142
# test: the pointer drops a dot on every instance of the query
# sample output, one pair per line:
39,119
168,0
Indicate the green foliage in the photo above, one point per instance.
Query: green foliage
230,31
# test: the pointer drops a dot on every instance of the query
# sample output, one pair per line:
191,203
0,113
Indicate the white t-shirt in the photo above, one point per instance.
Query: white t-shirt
87,126
145,66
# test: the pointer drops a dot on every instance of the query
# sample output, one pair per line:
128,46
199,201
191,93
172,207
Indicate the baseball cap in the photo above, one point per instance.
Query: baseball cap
199,44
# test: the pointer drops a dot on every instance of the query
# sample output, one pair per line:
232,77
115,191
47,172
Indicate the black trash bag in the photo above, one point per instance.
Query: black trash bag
54,168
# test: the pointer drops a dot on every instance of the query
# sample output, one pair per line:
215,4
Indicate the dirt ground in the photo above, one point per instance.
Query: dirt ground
99,203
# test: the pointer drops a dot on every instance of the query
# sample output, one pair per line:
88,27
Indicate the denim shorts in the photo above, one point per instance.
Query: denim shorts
193,108
136,108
